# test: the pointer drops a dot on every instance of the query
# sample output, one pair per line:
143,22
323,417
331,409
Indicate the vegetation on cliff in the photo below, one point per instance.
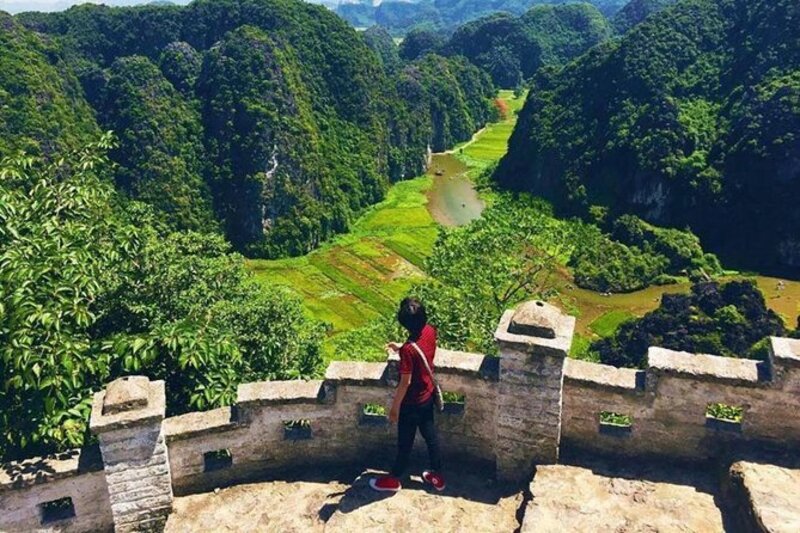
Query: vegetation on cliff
160,154
690,119
637,11
279,116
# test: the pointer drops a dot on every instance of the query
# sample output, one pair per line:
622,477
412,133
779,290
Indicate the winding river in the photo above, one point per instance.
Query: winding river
452,200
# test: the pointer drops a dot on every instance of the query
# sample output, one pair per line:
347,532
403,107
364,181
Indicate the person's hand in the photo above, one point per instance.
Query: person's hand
393,346
394,415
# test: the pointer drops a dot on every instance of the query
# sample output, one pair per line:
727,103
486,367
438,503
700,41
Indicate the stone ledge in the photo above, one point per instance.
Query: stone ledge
555,347
703,367
468,364
40,470
193,425
357,373
280,393
785,352
624,380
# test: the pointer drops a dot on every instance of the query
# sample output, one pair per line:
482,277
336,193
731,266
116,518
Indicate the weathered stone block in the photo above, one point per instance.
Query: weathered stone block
126,394
535,319
151,412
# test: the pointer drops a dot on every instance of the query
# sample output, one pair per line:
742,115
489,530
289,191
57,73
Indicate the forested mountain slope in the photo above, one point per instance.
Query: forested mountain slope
636,11
513,48
270,119
400,16
693,118
42,109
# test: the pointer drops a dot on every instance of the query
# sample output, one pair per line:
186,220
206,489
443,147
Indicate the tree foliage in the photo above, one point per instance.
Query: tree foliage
92,288
636,255
729,320
382,43
479,270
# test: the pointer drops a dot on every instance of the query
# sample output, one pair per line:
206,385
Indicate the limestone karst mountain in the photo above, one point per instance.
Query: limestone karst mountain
690,119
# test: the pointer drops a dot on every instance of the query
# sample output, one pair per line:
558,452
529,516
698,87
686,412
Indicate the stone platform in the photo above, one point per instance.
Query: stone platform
767,496
600,496
341,501
614,497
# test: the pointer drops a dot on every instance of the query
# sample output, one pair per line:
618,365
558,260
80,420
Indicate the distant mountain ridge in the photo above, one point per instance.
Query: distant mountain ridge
513,48
400,16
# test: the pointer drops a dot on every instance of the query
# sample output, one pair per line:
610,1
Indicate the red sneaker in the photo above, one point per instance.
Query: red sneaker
385,484
433,479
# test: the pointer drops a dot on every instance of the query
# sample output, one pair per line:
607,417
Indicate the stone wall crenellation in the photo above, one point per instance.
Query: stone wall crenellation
519,410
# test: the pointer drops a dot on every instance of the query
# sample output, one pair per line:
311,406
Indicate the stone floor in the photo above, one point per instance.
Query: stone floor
770,493
324,502
614,497
584,496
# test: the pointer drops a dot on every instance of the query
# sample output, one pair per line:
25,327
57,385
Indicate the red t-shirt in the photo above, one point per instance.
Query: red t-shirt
421,388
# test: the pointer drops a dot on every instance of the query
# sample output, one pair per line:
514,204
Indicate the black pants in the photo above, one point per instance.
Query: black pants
413,417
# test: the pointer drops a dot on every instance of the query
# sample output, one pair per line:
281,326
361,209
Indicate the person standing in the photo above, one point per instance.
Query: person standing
413,405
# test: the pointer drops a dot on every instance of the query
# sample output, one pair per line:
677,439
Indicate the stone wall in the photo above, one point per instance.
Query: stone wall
254,440
668,403
519,409
27,489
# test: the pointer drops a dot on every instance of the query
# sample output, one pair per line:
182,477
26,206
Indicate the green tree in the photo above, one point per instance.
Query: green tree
508,255
730,320
92,287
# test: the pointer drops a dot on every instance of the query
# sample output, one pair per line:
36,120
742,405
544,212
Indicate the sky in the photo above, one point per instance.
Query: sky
18,6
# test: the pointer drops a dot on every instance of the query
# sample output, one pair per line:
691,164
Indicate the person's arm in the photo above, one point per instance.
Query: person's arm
400,393
394,346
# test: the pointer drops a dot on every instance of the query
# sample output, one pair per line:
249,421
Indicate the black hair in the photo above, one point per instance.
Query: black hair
412,316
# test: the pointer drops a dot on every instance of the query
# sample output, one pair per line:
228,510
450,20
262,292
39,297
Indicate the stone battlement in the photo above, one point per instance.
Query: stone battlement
518,410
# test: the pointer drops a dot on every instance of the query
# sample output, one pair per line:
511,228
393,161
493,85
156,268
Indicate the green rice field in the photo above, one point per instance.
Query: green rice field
361,275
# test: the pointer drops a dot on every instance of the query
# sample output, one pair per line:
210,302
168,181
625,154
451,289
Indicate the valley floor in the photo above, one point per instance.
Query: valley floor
361,275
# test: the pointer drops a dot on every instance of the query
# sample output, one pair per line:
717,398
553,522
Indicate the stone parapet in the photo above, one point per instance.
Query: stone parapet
63,492
703,367
533,342
672,411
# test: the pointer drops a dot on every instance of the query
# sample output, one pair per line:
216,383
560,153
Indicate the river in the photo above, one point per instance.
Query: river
452,200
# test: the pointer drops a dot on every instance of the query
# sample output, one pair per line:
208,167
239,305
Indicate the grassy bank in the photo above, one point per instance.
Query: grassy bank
492,142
